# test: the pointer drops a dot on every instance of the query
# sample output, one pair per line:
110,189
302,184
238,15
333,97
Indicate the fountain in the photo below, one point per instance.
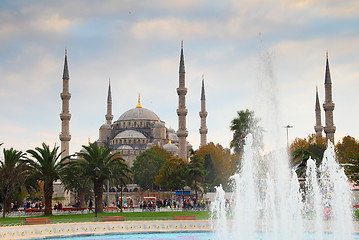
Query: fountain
268,201
278,208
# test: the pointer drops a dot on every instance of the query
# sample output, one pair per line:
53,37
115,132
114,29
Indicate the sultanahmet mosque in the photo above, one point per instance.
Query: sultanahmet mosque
139,128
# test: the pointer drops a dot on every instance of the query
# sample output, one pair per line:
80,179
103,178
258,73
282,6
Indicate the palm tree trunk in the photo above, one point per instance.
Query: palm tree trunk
7,201
81,192
121,199
98,190
49,191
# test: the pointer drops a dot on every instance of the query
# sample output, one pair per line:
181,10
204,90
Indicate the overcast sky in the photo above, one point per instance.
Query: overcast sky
264,55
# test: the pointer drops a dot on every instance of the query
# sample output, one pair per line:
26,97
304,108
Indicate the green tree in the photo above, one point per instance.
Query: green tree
195,172
245,123
75,180
173,174
218,164
100,164
46,166
348,155
12,175
147,165
301,149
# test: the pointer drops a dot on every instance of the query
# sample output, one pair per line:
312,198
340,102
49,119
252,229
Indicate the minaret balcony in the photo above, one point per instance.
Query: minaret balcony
203,130
65,116
182,112
65,137
318,128
203,114
181,91
182,133
329,129
328,106
65,96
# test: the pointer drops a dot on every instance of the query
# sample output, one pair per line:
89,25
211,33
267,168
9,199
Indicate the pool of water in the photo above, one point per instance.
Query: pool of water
146,236
178,235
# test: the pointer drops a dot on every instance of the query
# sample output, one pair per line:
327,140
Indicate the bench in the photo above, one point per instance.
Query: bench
73,209
34,221
112,218
184,217
110,209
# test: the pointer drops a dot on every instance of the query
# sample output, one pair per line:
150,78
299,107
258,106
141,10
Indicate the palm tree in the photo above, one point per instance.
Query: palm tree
100,164
46,166
75,180
245,123
12,175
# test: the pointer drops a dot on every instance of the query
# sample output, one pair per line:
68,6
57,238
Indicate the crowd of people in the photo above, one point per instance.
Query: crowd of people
187,204
148,204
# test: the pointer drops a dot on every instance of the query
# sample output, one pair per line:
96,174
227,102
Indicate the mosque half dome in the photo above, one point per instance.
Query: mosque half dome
159,125
124,147
130,134
138,114
170,147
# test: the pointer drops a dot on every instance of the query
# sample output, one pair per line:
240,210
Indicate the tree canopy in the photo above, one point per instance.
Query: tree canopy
348,155
99,164
147,165
173,174
46,166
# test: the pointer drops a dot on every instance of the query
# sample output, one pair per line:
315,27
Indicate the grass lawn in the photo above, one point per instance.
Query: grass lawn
128,216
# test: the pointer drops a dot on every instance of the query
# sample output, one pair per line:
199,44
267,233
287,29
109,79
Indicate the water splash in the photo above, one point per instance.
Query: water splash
285,210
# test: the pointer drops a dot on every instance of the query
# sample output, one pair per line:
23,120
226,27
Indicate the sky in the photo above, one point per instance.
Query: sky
263,55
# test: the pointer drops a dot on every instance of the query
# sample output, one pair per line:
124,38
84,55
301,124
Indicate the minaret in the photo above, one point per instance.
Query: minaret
203,115
109,115
65,115
318,117
182,132
328,105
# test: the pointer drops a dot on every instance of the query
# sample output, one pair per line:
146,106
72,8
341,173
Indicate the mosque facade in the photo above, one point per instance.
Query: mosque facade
139,128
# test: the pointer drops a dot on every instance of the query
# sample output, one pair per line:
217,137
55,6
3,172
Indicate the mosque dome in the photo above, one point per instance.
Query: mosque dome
130,134
174,137
170,147
105,126
138,114
171,130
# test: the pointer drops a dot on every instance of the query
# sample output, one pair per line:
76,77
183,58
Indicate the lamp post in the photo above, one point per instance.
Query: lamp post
97,171
287,127
183,183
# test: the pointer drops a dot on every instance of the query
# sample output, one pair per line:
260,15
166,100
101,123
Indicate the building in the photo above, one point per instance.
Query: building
139,128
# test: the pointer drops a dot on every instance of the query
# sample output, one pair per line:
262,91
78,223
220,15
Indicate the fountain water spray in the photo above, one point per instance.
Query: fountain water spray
266,193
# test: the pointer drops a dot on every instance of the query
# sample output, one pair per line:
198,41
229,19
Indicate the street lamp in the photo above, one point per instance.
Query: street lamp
287,127
183,184
97,171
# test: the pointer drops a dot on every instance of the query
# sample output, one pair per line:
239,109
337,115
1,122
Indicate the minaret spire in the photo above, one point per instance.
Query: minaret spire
109,115
182,132
203,115
65,115
318,116
328,105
